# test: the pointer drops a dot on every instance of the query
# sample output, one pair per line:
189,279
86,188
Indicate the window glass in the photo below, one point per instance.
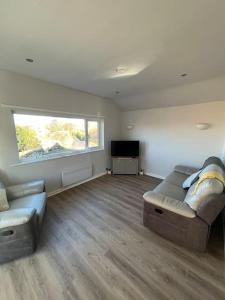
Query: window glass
43,137
93,134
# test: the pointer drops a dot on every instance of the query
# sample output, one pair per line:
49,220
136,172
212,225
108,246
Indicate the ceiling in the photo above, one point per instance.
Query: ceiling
81,43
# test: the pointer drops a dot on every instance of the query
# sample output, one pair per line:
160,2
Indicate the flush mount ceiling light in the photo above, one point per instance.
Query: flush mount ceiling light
30,60
120,70
202,126
125,71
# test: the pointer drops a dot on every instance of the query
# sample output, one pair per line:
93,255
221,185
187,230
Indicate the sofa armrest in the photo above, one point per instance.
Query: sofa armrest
185,170
25,189
16,217
211,207
170,204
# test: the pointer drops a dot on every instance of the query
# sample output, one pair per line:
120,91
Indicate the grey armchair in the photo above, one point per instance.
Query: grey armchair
20,225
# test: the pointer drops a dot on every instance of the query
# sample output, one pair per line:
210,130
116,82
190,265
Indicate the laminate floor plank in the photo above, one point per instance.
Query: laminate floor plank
94,246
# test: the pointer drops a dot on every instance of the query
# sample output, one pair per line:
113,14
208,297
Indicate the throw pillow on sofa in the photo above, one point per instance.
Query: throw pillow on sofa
4,205
190,180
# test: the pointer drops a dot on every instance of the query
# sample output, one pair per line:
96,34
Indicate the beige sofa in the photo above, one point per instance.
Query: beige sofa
20,225
166,213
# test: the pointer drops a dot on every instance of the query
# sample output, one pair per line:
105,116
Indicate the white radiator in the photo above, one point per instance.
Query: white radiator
77,173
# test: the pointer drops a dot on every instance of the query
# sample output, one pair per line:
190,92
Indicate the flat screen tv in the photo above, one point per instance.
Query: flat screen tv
125,148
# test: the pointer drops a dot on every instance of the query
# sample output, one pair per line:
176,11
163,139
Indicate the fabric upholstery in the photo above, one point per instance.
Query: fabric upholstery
170,204
21,190
4,205
194,197
171,190
185,170
36,201
15,217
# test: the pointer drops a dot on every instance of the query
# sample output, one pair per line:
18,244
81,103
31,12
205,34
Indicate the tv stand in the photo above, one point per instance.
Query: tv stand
125,165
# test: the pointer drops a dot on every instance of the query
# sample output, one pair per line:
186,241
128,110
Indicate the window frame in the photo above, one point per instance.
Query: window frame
99,120
99,132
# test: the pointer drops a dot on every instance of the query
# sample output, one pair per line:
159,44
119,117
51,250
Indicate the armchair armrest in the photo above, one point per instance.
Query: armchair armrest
211,207
170,204
25,189
15,217
185,170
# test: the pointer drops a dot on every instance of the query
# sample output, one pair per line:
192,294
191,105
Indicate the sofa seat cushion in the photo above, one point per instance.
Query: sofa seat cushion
171,190
176,178
170,204
36,201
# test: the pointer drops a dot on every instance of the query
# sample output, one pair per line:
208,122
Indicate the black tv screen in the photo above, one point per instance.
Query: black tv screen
125,148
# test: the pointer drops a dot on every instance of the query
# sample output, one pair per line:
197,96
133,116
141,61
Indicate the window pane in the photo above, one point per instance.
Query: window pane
93,134
43,136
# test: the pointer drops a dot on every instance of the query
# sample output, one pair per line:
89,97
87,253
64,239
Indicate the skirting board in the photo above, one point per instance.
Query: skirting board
62,189
154,175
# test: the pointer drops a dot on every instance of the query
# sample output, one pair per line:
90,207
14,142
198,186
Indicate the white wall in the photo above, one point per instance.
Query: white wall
21,90
169,136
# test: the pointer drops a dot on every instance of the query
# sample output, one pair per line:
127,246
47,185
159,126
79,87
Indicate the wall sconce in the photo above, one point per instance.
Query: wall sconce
130,127
202,126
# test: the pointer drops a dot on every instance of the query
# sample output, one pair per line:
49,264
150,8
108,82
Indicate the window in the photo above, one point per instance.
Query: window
44,137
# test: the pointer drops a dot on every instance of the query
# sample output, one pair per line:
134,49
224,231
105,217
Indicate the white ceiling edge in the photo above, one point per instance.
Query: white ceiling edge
211,90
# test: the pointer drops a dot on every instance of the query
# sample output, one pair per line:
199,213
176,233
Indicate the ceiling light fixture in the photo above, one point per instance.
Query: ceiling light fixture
30,60
121,70
202,126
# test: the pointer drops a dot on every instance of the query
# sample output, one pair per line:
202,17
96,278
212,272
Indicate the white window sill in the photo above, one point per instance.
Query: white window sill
56,156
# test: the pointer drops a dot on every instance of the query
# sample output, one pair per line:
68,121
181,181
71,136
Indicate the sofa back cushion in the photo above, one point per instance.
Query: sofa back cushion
195,197
4,205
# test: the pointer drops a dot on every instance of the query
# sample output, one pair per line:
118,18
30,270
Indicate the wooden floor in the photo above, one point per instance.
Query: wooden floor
94,246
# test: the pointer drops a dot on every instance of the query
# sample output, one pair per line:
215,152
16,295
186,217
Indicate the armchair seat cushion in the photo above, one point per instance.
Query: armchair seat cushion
15,217
36,201
170,204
